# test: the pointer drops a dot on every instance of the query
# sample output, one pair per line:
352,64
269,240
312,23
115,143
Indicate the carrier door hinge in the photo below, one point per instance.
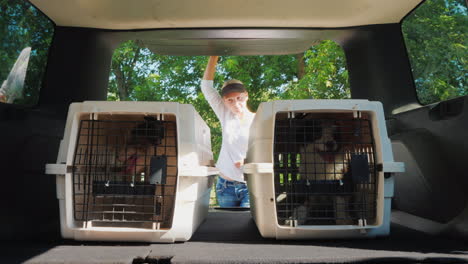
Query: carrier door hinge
362,223
291,222
356,112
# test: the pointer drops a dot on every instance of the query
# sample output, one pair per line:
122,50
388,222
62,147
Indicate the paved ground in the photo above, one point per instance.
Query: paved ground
232,237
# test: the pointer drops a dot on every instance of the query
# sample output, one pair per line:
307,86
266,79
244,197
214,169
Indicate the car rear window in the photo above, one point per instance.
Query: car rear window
25,37
436,39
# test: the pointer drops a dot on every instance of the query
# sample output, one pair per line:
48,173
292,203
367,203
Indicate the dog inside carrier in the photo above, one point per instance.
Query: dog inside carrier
124,170
324,168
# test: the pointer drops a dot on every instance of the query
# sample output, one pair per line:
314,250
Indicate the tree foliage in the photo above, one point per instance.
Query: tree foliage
436,39
325,75
21,26
139,74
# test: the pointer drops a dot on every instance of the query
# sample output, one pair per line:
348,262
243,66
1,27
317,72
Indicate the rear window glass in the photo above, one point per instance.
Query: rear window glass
138,74
436,39
25,37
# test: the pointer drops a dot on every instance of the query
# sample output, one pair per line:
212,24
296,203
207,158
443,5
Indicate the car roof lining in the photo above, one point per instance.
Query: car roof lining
159,14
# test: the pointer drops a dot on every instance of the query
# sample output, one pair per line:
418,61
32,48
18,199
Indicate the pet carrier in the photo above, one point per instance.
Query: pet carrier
133,171
320,169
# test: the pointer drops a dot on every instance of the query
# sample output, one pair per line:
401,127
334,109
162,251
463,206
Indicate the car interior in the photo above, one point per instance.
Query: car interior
430,204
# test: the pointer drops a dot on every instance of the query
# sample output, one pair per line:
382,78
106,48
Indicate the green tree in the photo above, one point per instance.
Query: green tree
130,69
324,74
436,39
139,74
22,25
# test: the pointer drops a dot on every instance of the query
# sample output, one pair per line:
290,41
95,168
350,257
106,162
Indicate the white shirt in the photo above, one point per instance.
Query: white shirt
235,133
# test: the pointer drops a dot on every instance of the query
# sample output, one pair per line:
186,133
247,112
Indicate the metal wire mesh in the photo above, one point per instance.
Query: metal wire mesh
325,171
125,170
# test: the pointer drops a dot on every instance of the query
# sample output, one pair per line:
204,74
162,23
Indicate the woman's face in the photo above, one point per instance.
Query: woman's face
236,102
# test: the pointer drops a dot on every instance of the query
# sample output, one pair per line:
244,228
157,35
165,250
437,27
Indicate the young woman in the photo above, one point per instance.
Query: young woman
231,109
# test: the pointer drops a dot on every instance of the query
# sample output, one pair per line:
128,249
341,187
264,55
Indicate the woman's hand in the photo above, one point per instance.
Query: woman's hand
210,68
239,164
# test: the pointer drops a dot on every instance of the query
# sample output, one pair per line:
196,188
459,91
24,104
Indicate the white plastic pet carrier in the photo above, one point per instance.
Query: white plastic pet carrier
320,169
133,171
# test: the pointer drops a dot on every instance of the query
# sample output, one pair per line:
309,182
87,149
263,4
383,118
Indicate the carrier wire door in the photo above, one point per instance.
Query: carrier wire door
324,169
125,170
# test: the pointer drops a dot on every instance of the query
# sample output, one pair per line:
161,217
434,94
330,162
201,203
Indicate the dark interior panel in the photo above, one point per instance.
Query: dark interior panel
78,68
434,150
378,67
30,138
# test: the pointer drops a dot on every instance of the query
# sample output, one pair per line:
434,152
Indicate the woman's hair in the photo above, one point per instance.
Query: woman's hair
233,86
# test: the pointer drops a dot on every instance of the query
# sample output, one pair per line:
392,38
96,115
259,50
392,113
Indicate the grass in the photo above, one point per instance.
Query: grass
213,200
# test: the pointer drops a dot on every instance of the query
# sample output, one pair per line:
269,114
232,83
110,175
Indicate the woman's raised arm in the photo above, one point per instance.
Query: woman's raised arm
210,68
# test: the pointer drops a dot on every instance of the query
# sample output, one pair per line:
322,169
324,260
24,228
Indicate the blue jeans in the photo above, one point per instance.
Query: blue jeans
232,193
